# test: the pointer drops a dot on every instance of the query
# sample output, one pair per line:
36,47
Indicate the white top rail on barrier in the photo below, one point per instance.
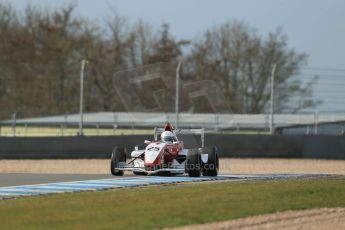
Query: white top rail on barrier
186,120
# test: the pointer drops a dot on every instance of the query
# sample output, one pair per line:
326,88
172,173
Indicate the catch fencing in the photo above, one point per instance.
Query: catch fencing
123,123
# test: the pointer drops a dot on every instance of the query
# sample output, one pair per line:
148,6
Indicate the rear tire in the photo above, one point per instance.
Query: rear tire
118,156
211,167
193,163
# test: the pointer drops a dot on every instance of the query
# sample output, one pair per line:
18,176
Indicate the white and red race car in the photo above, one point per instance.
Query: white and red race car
167,156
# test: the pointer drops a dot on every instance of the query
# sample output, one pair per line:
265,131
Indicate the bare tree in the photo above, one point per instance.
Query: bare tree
41,53
240,61
167,49
142,43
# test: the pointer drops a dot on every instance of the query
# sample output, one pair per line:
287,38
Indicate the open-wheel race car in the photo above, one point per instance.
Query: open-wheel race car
167,156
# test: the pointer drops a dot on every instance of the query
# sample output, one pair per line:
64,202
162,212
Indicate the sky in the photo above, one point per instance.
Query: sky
314,27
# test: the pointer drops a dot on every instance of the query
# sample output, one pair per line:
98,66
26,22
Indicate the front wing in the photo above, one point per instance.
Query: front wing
142,169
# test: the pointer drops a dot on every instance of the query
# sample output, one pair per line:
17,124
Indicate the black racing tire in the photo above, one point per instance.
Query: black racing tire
211,167
118,156
193,163
140,173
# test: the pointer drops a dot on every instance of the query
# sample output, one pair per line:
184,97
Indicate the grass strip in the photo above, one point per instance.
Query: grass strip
167,206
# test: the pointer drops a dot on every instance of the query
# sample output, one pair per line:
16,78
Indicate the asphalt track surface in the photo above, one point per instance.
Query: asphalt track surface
15,179
13,185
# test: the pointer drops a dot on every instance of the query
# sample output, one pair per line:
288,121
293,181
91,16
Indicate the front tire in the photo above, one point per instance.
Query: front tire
211,167
193,163
118,157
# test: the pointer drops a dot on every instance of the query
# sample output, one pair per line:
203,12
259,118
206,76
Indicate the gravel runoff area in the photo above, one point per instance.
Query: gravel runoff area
316,219
227,166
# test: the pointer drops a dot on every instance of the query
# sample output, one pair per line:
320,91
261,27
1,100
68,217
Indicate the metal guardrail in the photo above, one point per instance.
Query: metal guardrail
112,120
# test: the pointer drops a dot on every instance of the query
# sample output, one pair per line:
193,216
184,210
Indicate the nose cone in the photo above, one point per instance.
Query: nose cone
153,153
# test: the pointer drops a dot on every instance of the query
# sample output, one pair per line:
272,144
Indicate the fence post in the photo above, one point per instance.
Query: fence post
115,118
14,124
316,118
65,124
202,137
272,99
217,122
97,128
267,122
81,112
177,92
61,130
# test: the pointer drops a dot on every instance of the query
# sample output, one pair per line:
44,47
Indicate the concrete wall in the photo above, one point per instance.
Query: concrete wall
281,146
64,147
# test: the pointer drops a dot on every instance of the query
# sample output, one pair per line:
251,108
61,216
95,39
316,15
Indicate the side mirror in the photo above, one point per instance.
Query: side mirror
147,142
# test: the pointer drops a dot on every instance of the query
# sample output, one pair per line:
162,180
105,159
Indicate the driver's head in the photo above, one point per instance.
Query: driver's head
167,136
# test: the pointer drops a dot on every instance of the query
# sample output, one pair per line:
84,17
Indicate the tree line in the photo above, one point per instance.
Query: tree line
40,54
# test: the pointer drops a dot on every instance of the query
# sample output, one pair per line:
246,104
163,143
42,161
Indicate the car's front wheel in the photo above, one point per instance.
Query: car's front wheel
211,167
193,163
118,157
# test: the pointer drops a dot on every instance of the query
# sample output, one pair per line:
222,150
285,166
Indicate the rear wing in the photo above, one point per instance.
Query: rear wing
200,132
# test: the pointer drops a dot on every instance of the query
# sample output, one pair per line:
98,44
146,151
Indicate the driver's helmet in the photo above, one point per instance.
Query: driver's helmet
167,136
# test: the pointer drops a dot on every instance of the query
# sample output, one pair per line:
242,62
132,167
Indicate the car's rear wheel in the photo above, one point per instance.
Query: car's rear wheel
211,167
118,157
193,163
